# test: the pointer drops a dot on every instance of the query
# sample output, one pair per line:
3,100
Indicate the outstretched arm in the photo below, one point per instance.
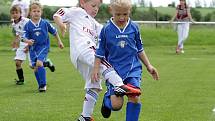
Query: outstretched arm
174,16
60,24
190,16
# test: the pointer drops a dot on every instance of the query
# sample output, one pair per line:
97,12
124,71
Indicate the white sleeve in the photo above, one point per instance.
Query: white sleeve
98,27
66,14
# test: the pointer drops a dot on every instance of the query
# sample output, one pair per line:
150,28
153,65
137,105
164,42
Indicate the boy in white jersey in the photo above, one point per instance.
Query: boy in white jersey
84,30
18,25
21,47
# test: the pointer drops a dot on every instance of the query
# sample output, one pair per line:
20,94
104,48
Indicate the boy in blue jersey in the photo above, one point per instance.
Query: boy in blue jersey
120,44
36,35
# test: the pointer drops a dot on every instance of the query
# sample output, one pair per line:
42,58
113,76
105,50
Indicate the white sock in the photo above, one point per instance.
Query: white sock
112,77
90,100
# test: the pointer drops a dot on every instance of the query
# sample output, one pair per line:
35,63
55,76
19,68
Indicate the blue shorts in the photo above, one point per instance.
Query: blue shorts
134,81
39,53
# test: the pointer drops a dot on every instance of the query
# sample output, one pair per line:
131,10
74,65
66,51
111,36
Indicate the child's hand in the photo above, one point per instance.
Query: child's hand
15,45
95,76
29,42
60,44
153,71
26,49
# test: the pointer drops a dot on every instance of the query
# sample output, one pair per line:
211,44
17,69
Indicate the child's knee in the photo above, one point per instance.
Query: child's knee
39,63
116,102
18,64
134,99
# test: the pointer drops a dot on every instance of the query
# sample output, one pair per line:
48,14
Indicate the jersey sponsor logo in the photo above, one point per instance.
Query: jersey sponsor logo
37,29
121,36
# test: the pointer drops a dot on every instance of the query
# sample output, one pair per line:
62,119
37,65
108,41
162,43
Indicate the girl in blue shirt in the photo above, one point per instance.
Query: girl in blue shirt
36,35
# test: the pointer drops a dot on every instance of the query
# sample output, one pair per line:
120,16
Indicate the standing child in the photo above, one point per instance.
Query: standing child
120,43
84,30
182,15
36,35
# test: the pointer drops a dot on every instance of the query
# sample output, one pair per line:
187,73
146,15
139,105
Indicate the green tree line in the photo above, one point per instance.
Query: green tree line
150,14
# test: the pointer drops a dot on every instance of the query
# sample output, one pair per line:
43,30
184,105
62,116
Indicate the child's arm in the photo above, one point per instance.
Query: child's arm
60,24
173,18
190,16
15,42
60,44
152,70
95,71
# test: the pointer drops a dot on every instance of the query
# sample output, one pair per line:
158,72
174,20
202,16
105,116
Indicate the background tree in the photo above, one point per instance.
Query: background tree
142,3
5,2
212,3
198,4
196,15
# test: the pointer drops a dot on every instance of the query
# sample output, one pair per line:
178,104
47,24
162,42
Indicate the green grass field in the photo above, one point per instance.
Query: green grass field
185,91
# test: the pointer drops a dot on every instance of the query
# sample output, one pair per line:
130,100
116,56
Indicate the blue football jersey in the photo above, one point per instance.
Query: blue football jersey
120,47
39,32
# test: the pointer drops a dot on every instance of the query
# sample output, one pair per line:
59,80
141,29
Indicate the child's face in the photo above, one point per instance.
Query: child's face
120,15
15,15
91,7
35,12
182,2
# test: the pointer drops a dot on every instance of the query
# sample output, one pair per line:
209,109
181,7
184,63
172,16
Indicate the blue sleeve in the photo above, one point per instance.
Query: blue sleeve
51,29
100,49
26,32
139,43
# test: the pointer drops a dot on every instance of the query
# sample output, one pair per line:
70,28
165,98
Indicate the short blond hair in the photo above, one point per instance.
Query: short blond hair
121,3
87,1
37,3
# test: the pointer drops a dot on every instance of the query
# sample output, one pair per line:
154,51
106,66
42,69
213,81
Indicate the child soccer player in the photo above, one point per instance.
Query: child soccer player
21,47
182,15
84,30
120,43
18,25
36,35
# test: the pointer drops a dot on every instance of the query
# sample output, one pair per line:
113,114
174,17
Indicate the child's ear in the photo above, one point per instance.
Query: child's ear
109,9
81,2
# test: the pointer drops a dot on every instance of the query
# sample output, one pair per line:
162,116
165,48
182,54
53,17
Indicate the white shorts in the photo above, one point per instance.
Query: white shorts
85,65
20,54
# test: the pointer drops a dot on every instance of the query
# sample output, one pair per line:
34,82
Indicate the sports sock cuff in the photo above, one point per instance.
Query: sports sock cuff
92,93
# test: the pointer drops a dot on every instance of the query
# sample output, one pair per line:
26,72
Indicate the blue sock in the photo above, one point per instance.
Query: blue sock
107,102
132,111
42,74
37,77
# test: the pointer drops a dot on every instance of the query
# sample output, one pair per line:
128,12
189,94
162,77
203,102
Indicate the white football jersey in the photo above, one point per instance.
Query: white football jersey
18,28
84,30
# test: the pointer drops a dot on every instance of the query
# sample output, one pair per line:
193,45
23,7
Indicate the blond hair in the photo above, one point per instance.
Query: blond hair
37,3
121,3
87,1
